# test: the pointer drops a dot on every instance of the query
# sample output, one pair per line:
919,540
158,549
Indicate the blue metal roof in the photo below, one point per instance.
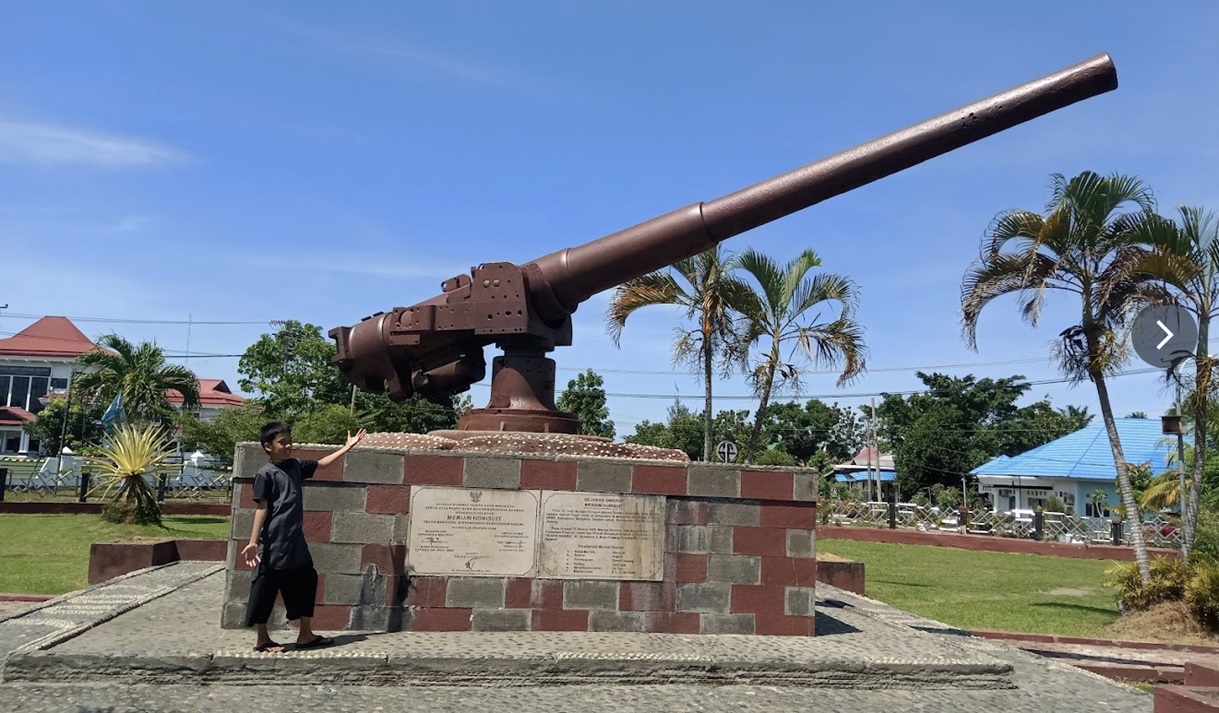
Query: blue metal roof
861,476
1086,455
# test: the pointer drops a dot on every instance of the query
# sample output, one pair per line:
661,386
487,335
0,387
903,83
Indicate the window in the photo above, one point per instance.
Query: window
20,392
10,441
59,384
38,389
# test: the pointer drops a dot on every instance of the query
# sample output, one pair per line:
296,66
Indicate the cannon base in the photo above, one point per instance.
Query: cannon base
522,395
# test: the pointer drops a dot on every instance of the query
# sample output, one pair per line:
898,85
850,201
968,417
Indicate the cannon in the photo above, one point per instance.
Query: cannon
435,348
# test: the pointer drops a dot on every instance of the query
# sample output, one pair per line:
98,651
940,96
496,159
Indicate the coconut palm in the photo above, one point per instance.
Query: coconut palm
140,374
705,298
122,462
1083,246
1185,255
778,316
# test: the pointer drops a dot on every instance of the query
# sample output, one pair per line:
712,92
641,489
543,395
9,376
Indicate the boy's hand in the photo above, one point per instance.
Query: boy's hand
352,440
250,552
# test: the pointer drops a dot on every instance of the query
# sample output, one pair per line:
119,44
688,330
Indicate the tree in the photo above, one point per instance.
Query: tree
706,299
417,414
776,313
140,373
291,371
82,428
1185,256
585,397
804,431
219,436
1084,247
1137,414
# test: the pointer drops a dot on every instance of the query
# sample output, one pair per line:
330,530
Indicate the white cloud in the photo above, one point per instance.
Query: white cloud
52,145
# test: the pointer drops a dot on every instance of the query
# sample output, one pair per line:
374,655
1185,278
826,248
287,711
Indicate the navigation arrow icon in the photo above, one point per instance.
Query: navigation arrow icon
1166,331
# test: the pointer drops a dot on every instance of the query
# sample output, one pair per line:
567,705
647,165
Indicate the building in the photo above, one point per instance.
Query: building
37,362
868,463
1077,468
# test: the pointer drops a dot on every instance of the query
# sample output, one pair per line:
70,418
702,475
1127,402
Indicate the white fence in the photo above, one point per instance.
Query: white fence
45,476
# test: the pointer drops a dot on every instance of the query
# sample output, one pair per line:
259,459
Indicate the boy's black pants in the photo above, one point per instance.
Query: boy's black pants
298,587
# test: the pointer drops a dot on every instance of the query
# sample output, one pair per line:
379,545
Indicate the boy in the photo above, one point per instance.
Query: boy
277,550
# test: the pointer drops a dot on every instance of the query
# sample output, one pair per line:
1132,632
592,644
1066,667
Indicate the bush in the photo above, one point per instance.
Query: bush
1202,593
144,512
774,456
1169,577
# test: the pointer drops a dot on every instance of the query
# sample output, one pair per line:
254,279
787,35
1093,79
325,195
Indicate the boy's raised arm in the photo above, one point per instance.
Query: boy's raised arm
351,442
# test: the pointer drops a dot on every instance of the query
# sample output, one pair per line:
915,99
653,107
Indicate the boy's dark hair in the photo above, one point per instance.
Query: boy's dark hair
273,429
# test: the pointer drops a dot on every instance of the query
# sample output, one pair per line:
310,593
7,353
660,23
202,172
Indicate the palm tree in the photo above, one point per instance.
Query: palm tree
140,374
1185,255
709,290
777,312
1083,246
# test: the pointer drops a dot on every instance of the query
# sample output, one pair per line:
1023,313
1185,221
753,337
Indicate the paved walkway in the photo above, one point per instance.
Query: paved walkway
866,657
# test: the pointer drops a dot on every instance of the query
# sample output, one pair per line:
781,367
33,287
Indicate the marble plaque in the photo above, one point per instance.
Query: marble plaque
473,533
602,536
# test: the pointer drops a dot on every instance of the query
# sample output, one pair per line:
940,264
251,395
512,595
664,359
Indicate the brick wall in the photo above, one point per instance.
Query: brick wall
740,547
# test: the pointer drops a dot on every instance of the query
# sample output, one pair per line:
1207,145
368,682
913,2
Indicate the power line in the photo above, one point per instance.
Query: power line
124,320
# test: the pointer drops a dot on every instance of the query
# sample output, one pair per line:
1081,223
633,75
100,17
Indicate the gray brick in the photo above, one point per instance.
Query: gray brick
579,594
492,473
475,592
247,459
747,514
235,502
726,624
373,618
237,584
703,597
603,476
361,527
805,486
737,569
335,497
501,620
361,466
330,558
233,616
344,589
801,543
243,524
704,538
615,621
230,557
401,527
799,601
713,481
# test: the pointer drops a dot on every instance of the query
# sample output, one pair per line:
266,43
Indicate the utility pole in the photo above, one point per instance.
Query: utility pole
875,449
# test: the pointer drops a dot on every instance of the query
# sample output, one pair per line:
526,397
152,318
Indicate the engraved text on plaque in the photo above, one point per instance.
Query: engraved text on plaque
602,536
460,531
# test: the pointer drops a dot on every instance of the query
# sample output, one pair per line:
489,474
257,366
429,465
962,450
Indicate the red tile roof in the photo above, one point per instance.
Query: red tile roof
212,392
48,337
14,416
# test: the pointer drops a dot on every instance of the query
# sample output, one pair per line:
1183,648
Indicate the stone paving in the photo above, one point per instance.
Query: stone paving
853,631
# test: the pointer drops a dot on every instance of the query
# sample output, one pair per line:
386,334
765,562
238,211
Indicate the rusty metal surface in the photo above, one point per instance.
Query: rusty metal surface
436,347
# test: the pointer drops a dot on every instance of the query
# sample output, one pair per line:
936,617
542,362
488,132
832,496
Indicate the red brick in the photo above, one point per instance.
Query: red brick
437,619
317,526
658,479
331,617
548,474
247,496
802,517
388,499
667,622
691,567
389,559
780,625
688,512
434,470
789,571
759,541
332,472
647,596
560,620
524,593
758,599
762,485
427,592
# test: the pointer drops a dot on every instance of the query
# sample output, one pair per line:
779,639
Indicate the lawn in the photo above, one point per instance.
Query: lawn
986,590
49,554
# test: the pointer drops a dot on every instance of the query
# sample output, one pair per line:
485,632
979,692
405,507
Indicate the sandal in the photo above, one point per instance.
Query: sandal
317,643
266,648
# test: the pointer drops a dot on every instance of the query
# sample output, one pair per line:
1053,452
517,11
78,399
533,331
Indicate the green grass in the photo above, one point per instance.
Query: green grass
49,554
986,590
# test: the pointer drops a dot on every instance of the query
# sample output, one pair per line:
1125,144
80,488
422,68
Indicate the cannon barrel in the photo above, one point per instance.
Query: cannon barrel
572,275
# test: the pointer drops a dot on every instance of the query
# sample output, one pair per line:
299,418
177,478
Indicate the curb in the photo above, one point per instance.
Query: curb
372,668
1082,641
7,597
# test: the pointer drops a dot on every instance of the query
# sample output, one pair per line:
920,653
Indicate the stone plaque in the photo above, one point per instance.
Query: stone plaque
602,536
472,533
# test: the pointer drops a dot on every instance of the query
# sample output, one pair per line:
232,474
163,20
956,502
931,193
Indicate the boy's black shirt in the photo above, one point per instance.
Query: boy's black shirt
282,541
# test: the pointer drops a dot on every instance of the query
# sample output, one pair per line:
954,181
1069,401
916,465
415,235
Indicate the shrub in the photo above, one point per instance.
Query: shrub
1169,577
774,456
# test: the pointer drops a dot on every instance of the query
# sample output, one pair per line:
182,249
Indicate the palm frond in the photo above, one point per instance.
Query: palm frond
654,288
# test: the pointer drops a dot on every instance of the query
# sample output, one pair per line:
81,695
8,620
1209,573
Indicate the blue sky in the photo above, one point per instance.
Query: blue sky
247,162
